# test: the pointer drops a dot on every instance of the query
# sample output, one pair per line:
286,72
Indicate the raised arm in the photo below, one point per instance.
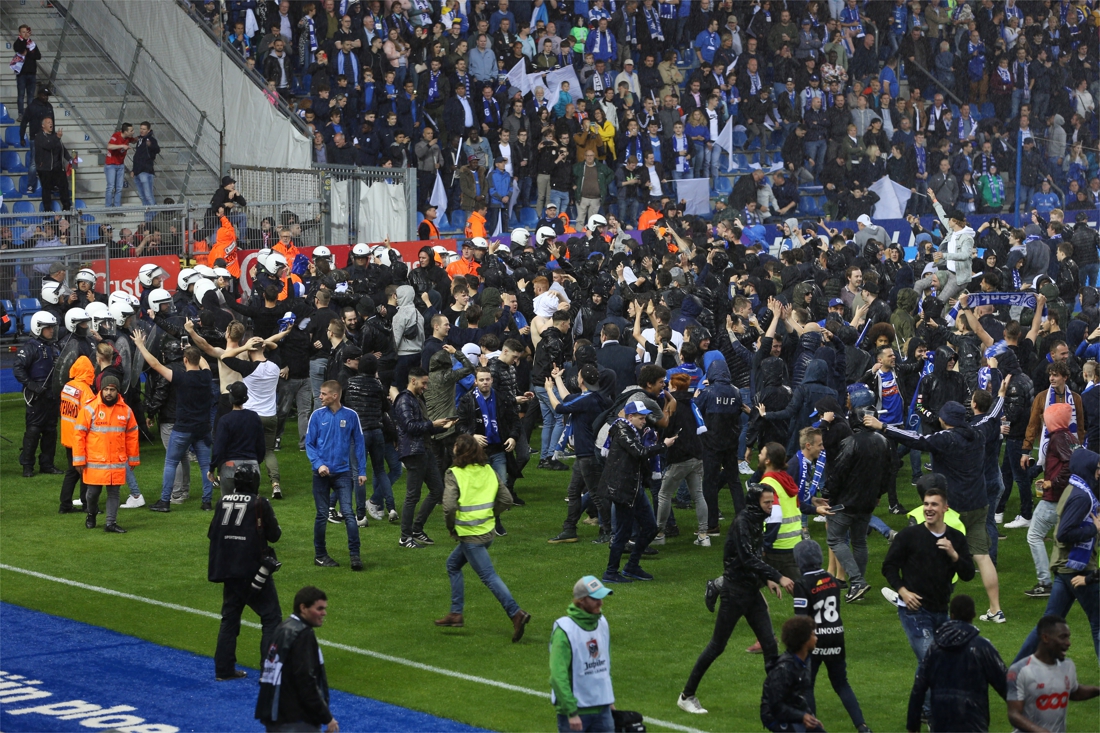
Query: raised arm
199,341
152,361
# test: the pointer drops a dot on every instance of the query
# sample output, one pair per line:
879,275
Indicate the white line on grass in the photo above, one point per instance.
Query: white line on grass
342,647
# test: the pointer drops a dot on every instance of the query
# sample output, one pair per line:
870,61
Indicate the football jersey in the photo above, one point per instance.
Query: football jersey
1044,690
817,594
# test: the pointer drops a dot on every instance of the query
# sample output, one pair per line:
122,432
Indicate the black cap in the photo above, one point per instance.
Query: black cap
226,180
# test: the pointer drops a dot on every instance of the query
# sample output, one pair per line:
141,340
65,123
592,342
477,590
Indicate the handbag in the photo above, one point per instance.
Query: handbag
628,721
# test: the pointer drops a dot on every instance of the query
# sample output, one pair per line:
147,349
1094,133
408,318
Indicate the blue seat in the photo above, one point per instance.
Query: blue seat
36,193
8,186
739,138
419,217
91,232
441,222
986,110
741,161
3,208
9,307
4,116
458,220
809,206
723,185
11,136
27,307
12,162
528,218
55,205
23,207
79,204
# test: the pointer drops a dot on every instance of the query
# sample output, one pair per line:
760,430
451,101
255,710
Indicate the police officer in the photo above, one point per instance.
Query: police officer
79,342
34,366
241,560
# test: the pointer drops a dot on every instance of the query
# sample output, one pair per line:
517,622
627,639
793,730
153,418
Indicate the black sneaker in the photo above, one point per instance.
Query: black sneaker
422,538
334,516
516,501
636,573
356,563
278,443
325,561
602,538
1039,591
650,550
50,471
207,506
70,509
711,596
842,584
564,538
237,674
28,472
114,529
673,531
856,592
543,464
408,543
89,521
499,529
616,577
161,506
897,509
555,465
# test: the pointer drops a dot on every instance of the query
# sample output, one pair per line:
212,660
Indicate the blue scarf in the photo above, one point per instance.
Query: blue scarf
914,417
412,108
679,145
343,57
492,111
311,29
488,408
1024,300
807,489
1081,553
632,29
921,155
433,86
653,23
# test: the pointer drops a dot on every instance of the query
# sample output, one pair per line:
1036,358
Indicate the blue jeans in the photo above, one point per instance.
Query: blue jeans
919,626
115,178
1090,274
601,722
317,377
178,444
381,480
623,520
144,183
816,151
839,529
559,199
1062,596
323,486
499,463
698,159
25,88
880,526
131,480
478,558
552,423
628,210
1019,96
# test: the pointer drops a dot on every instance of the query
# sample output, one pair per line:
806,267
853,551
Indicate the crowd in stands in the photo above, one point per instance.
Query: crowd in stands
838,93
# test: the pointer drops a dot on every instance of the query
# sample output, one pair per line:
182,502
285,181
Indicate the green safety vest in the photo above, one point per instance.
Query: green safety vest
790,531
477,492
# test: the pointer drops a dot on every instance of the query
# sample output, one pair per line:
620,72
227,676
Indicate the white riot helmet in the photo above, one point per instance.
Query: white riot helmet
520,237
86,275
544,235
148,272
99,313
41,320
274,262
205,271
74,317
184,279
159,297
596,220
120,312
120,296
382,255
223,272
322,253
202,287
360,250
53,292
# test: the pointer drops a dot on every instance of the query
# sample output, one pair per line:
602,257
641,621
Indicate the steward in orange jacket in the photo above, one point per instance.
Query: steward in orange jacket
225,248
75,395
106,441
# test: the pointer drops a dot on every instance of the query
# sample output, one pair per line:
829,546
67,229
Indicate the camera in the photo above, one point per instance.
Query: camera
268,565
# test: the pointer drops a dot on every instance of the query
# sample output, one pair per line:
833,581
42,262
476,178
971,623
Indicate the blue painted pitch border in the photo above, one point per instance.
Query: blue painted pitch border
62,675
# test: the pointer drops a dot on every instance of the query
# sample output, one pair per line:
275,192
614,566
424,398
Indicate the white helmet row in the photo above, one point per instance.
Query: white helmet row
520,237
100,314
74,317
596,220
148,272
159,297
322,252
87,275
53,292
360,250
186,278
273,262
120,296
544,235
223,272
120,311
202,287
41,320
205,271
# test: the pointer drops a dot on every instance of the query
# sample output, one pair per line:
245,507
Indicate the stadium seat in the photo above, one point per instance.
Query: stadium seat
12,162
528,218
79,204
4,116
55,205
3,209
458,220
25,308
11,136
9,306
419,218
441,222
91,232
723,185
23,207
741,161
9,186
739,138
986,110
36,193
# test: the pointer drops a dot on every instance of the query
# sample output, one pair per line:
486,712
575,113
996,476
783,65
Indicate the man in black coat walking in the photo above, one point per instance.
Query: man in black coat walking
50,159
37,110
616,357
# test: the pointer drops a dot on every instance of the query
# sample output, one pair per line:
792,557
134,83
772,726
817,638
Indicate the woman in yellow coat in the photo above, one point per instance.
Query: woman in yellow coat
105,442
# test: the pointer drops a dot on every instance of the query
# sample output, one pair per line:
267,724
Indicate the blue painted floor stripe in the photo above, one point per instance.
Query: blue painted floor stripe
53,668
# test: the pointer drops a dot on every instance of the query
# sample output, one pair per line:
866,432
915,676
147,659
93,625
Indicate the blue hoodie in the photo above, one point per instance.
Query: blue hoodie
813,388
720,405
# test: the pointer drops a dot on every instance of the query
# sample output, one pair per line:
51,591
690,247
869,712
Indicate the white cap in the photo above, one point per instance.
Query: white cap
864,220
472,351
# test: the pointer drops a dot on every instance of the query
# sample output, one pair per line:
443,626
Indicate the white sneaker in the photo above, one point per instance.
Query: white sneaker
134,502
1018,523
659,539
997,618
77,503
890,595
690,705
999,518
375,511
393,515
745,470
819,518
702,541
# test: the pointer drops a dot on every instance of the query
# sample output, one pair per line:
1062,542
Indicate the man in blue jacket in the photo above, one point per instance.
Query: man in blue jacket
500,193
334,432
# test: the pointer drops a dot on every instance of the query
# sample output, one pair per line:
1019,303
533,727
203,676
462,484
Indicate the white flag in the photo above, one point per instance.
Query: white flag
553,84
439,195
892,198
517,77
725,140
695,193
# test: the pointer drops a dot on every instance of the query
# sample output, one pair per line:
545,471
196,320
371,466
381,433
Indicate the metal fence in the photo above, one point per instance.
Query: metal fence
21,274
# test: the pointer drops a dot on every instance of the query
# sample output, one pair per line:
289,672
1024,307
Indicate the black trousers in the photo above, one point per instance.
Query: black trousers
736,602
586,477
69,481
51,180
236,594
421,469
720,469
41,431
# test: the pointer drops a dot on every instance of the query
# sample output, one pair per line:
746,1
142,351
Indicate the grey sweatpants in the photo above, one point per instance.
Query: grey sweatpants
692,471
92,505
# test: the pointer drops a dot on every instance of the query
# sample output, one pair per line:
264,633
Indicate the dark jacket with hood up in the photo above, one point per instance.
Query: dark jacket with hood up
956,453
772,392
627,458
797,412
960,667
743,563
862,470
938,388
720,405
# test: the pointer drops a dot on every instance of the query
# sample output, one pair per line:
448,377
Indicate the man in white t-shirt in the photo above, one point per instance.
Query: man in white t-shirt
1041,686
262,378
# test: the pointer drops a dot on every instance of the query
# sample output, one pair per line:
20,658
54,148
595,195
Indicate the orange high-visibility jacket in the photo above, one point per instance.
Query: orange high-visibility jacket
74,396
461,266
290,252
291,279
106,442
226,248
475,226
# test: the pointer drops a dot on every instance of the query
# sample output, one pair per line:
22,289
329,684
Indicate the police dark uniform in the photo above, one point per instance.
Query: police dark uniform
34,367
240,530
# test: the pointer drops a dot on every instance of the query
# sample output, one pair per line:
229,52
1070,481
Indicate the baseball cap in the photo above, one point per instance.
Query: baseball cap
56,267
552,205
636,407
590,587
864,220
226,180
835,302
628,61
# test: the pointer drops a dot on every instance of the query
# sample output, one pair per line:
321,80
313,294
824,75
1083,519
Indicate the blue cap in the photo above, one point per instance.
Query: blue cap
860,396
835,302
636,407
590,587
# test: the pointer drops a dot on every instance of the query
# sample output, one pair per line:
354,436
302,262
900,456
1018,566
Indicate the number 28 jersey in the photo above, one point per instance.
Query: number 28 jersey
817,594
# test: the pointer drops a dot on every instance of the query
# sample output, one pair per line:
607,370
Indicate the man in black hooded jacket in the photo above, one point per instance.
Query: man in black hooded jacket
744,574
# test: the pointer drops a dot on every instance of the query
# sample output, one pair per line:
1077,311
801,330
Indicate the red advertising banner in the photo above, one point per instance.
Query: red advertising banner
124,273
340,254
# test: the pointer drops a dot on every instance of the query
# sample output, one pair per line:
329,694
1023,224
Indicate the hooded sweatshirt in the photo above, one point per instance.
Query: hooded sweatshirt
561,662
1074,510
405,320
797,413
720,405
1060,449
956,453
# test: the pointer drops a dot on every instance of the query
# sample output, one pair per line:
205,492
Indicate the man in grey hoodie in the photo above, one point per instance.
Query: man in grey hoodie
408,333
955,254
